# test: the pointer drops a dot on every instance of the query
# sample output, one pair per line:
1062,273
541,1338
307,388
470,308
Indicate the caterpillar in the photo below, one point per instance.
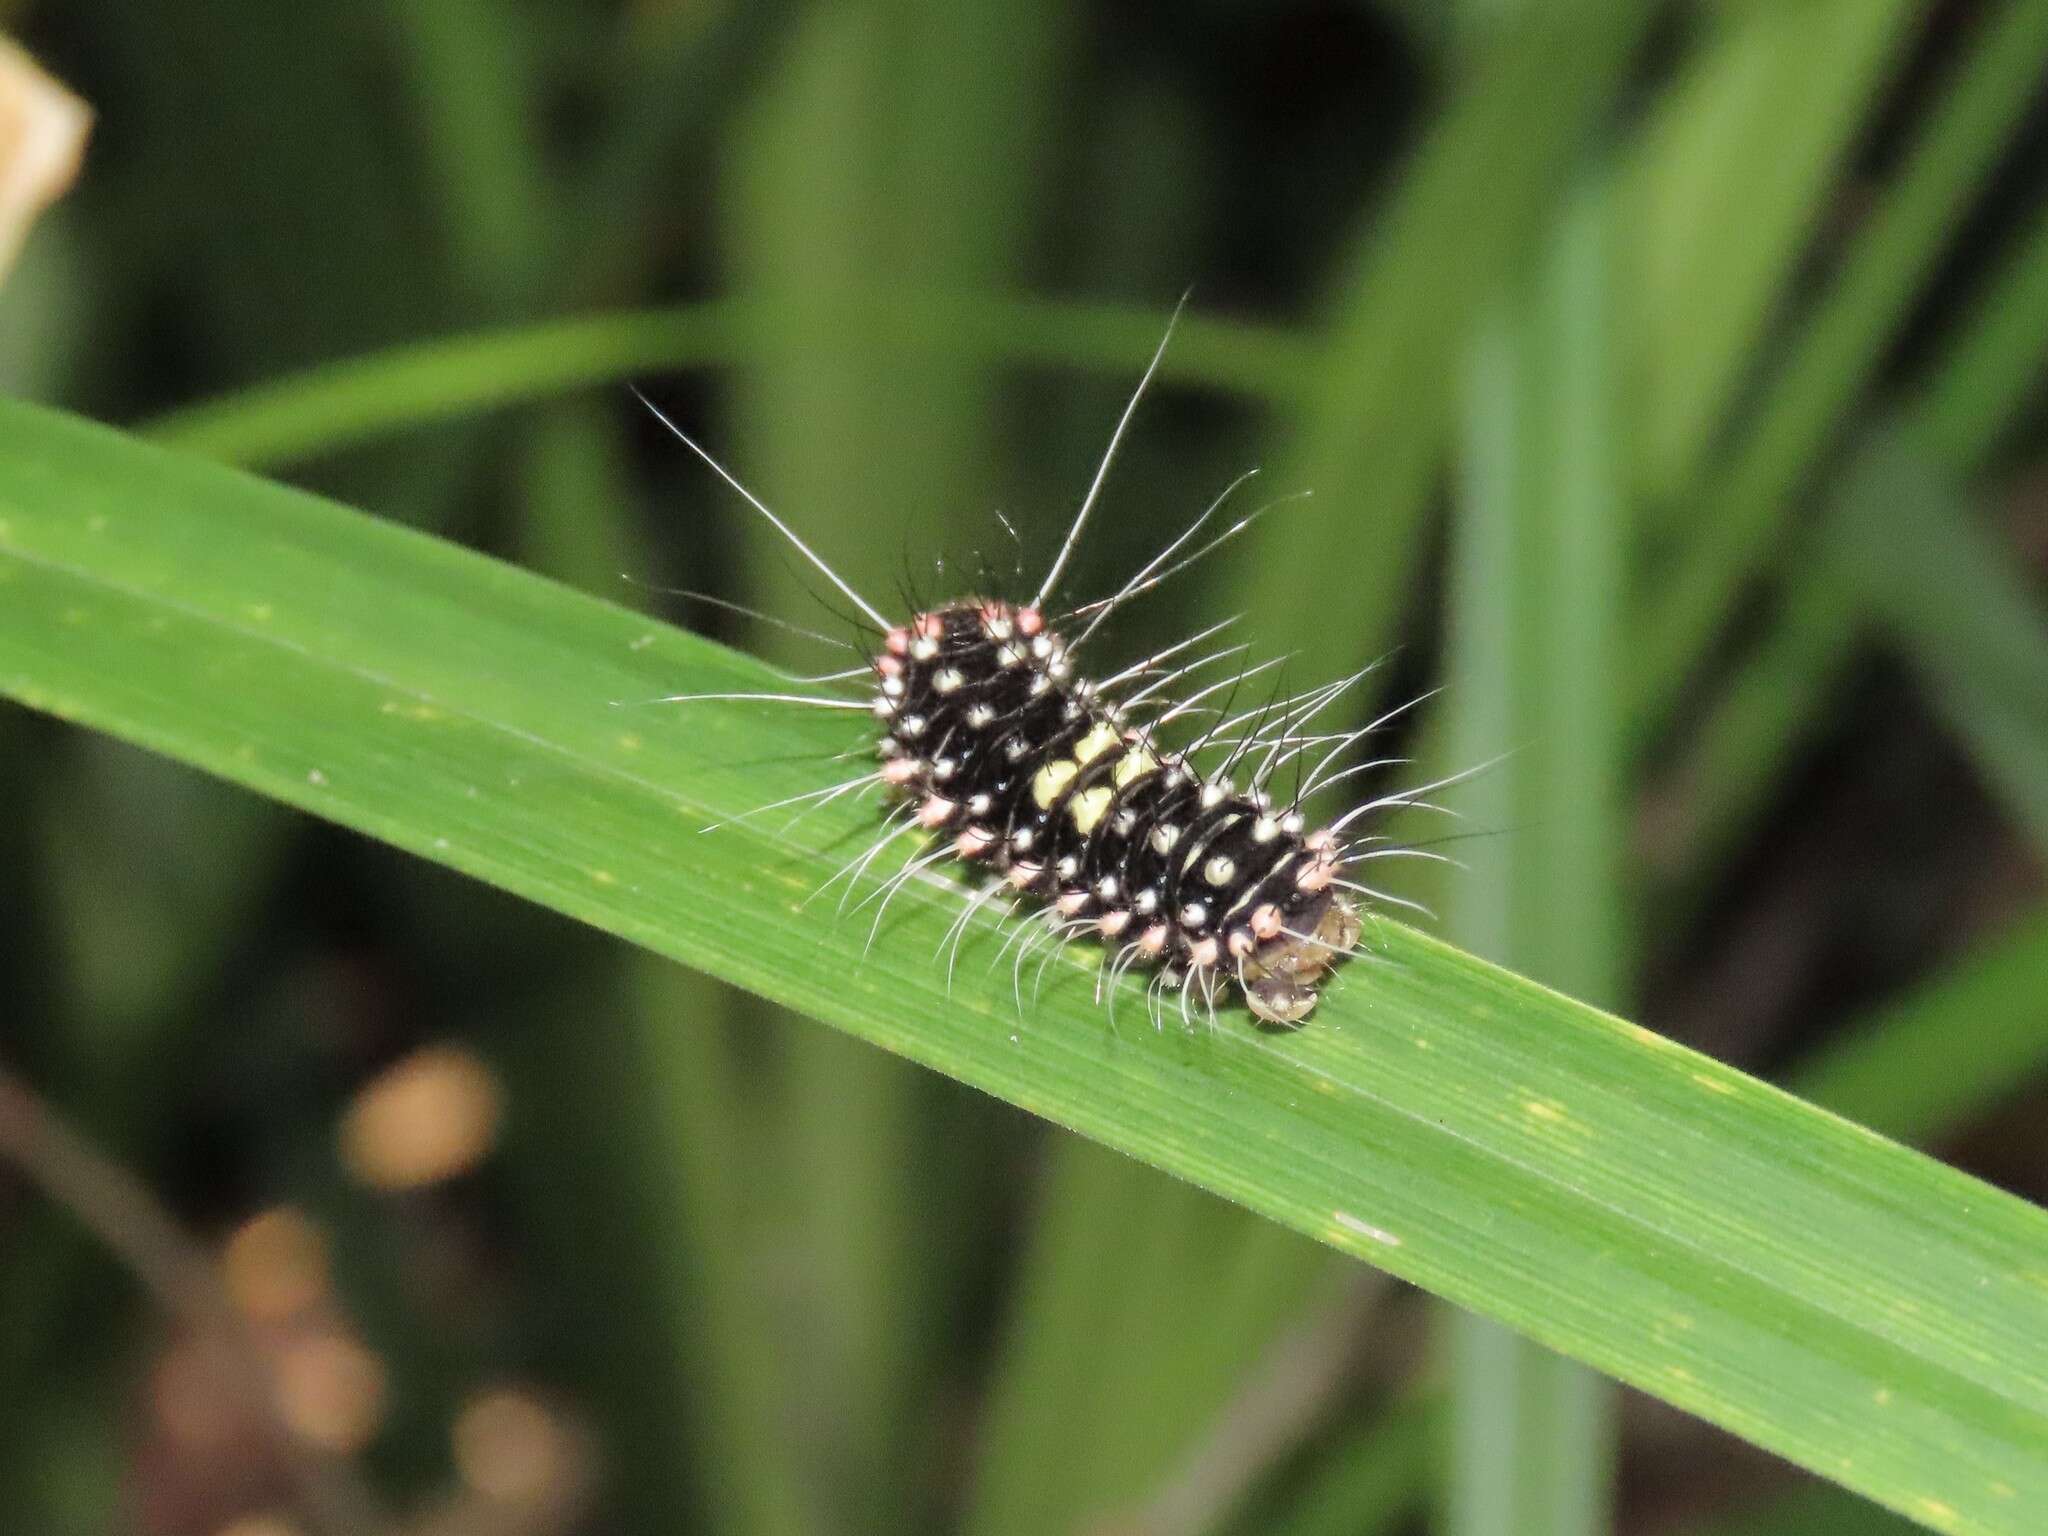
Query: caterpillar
1075,794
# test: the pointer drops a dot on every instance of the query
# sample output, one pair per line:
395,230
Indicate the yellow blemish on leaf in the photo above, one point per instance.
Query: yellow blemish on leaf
630,742
604,877
1713,1084
1936,1512
409,709
1882,1396
1679,1373
1545,1109
2001,1490
260,612
97,523
641,644
74,615
1051,779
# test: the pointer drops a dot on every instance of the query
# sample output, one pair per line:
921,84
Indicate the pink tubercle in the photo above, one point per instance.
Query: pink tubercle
1317,876
1241,942
1024,876
1029,621
935,812
930,626
897,641
901,770
1204,952
889,664
1324,841
1072,903
1110,924
1266,921
974,842
1153,940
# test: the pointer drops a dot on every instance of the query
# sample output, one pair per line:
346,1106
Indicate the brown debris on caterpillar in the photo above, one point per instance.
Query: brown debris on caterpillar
1074,793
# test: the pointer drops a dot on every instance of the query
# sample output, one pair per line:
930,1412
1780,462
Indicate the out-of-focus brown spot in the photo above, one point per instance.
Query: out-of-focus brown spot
508,1447
432,1116
275,1265
330,1390
260,1525
193,1396
42,139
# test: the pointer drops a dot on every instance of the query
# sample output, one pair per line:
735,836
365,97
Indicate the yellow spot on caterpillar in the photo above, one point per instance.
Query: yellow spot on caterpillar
1051,779
1097,743
1090,806
1132,765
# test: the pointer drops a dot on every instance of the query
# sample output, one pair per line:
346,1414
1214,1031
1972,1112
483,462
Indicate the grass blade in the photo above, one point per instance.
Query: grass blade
1381,406
1836,1298
1955,602
1723,154
335,405
1538,556
1878,1074
1988,92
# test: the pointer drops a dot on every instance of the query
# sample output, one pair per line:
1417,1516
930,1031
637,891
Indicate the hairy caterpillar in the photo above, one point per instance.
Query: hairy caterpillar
1074,793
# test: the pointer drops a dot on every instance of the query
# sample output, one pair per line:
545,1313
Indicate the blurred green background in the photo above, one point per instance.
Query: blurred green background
1666,379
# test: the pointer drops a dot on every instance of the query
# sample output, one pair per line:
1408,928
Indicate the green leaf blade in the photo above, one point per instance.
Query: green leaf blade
1823,1292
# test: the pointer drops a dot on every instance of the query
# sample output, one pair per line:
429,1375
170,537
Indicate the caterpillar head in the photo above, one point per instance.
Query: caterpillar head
1309,937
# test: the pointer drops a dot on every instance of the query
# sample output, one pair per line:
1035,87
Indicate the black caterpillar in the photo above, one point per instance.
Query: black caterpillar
1039,777
1064,790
